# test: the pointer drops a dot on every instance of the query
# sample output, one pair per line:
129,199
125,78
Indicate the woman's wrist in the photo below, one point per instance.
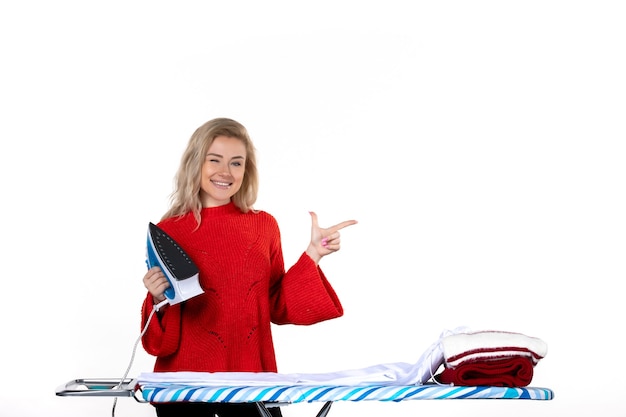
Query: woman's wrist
313,254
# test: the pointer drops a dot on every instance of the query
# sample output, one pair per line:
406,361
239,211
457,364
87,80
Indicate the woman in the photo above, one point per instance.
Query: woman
238,252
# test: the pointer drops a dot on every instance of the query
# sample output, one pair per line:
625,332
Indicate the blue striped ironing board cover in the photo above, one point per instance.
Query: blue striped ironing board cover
171,392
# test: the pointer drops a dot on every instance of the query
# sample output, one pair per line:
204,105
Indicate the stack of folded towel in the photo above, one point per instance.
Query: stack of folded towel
494,358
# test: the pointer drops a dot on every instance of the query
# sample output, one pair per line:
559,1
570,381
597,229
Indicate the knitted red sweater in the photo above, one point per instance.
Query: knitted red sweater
228,328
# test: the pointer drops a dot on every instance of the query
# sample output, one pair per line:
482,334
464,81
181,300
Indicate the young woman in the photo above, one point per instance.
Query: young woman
238,252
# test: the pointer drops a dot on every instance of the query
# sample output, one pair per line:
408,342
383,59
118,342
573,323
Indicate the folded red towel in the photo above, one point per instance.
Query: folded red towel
515,371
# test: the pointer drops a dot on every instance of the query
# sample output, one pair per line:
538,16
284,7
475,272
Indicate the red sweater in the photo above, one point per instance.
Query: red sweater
246,288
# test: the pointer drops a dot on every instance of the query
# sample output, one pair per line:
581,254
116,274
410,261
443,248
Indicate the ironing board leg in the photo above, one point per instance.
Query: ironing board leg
325,409
263,411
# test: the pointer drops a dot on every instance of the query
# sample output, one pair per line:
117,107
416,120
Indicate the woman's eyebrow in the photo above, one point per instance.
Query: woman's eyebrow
221,156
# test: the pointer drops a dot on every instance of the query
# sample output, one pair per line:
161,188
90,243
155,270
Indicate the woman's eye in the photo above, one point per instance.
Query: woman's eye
237,164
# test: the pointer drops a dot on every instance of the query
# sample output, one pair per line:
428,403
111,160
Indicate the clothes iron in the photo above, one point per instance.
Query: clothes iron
179,269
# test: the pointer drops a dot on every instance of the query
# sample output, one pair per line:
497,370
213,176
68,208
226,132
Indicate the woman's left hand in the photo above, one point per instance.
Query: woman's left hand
325,241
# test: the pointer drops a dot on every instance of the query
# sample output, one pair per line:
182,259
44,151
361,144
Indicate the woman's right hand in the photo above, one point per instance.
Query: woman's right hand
156,283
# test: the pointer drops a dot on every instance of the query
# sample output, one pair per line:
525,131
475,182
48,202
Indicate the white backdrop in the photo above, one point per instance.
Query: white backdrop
479,144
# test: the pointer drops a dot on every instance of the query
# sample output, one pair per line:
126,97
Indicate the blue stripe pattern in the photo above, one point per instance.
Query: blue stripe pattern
165,392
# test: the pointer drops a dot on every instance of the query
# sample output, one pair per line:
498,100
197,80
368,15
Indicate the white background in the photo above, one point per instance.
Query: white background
478,143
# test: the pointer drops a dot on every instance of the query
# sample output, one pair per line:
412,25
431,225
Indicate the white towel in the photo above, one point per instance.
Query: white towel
398,373
385,374
490,344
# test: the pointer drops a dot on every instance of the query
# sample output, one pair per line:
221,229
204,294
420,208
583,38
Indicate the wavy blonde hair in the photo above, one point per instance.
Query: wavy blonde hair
186,195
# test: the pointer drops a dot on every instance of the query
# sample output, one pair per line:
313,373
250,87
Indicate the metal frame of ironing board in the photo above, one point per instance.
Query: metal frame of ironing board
111,387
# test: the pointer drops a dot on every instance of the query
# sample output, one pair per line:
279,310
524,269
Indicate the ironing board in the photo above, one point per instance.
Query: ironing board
389,382
271,396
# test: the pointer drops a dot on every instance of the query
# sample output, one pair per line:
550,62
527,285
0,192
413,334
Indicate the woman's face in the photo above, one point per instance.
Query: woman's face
222,171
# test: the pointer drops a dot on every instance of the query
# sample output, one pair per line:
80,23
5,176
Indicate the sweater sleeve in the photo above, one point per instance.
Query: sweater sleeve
304,296
163,333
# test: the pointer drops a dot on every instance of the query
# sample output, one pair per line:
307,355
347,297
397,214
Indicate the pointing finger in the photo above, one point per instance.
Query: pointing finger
343,224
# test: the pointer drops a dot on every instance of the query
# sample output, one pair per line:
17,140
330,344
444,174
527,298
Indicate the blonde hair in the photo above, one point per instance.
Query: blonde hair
186,195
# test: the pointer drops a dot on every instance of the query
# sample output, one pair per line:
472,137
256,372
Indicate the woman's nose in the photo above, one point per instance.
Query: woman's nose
225,169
